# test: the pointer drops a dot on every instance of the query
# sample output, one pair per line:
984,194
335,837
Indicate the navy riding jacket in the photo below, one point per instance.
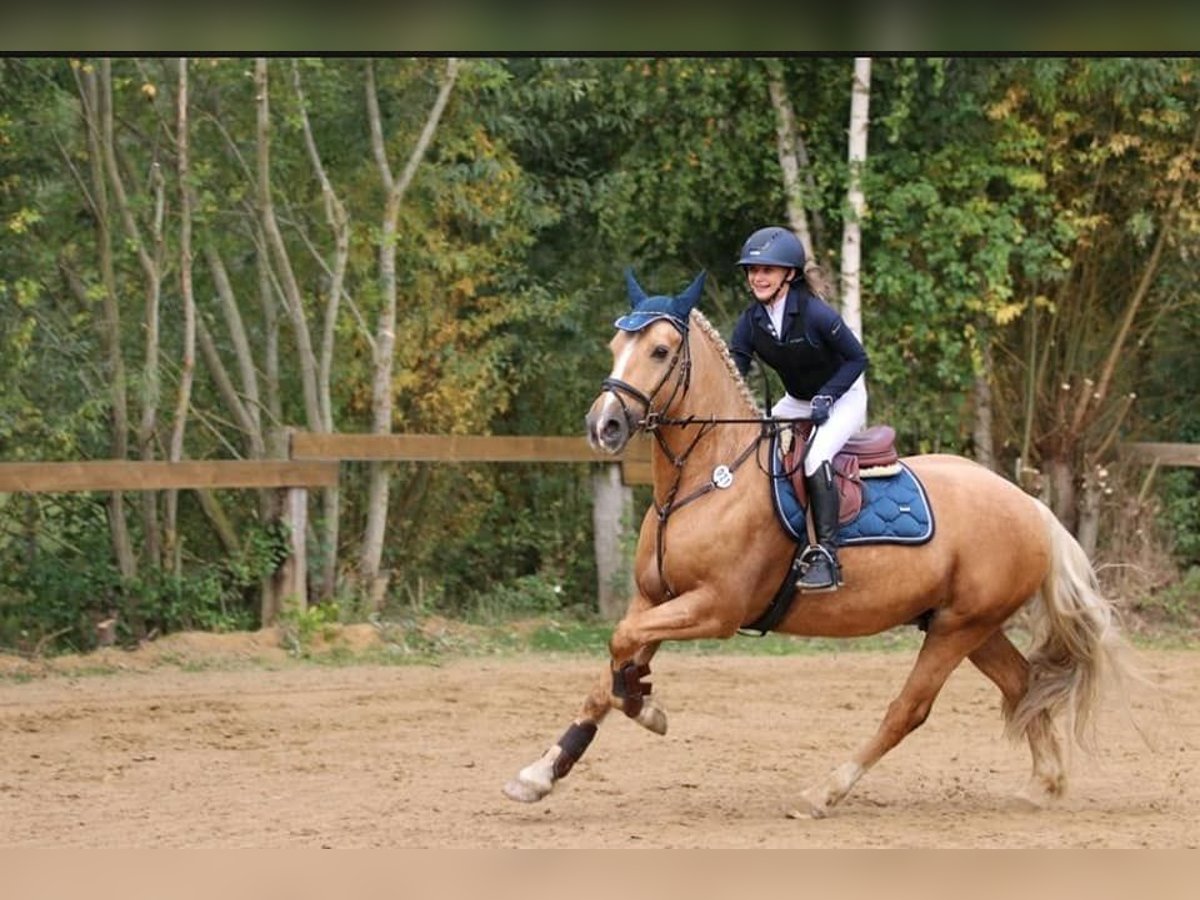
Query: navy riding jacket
816,354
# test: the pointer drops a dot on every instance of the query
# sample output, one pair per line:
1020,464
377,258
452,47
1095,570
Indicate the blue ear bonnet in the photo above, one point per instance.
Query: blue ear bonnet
645,310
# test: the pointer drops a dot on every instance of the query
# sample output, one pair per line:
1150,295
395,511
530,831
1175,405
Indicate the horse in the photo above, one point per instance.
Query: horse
711,555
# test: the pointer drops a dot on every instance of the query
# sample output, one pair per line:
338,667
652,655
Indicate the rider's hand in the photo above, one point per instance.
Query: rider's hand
820,408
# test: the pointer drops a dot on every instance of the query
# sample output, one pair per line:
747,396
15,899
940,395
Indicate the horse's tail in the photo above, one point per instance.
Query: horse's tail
1076,645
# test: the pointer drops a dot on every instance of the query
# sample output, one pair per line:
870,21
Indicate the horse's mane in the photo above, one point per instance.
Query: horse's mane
706,328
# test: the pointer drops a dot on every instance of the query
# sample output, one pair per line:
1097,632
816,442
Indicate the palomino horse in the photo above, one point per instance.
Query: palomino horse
711,556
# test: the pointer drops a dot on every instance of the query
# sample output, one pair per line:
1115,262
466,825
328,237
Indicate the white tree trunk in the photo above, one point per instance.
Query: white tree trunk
110,329
860,101
151,264
187,363
385,332
290,287
339,224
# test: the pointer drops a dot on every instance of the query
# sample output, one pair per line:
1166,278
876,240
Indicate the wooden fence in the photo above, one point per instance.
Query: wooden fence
1165,454
294,478
314,463
612,506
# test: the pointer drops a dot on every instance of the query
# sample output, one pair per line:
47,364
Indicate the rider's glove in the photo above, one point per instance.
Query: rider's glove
820,408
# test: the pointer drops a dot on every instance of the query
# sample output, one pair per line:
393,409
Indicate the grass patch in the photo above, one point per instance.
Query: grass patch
591,638
433,641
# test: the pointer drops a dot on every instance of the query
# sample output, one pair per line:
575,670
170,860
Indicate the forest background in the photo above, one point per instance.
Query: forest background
196,254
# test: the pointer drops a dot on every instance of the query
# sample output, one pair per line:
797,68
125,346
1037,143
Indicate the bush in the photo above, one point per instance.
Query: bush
56,600
1175,607
1180,493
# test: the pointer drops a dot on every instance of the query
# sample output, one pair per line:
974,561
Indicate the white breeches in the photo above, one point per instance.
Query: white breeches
846,416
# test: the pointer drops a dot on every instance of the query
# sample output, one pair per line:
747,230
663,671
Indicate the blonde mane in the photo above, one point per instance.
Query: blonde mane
706,328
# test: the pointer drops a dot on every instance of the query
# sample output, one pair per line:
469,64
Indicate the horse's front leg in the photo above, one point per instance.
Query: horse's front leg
538,778
634,641
688,617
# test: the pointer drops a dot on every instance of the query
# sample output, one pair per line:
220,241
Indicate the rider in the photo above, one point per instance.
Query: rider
821,363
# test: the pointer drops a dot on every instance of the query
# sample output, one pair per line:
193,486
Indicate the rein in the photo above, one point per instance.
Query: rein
670,504
653,422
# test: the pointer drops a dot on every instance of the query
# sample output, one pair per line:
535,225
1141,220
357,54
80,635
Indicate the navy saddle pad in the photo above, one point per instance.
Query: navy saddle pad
895,509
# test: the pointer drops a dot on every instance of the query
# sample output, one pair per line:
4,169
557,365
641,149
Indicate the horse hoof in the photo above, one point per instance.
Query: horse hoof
653,719
525,791
809,809
814,812
1040,793
1024,802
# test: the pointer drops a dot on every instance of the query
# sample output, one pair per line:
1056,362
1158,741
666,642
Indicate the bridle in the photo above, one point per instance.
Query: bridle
654,420
651,419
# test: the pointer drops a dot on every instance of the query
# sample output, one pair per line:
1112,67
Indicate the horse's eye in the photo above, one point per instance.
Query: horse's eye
660,352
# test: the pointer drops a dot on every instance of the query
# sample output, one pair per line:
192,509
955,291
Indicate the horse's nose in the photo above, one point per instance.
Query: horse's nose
607,430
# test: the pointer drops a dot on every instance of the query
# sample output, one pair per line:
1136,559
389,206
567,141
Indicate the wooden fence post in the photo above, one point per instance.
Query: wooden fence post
612,511
290,581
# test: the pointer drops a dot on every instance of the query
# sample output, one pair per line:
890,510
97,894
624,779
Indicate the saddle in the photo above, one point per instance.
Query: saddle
870,453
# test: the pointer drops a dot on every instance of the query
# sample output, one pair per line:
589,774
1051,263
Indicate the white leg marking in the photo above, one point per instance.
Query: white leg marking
653,718
534,781
815,802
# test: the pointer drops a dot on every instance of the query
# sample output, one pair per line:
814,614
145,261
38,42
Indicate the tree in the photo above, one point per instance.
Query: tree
384,347
1114,141
860,102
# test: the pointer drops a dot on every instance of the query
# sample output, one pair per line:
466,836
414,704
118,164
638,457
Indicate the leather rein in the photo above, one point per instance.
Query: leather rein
653,421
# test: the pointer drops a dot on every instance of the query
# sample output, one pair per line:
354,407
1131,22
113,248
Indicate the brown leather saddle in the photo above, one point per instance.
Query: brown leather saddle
869,453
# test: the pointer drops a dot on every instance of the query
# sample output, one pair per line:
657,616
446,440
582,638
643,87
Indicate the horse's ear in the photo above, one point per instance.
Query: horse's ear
636,294
691,296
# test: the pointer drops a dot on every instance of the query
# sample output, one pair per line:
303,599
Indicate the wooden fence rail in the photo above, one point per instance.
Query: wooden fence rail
612,500
314,463
458,448
293,477
1166,454
129,475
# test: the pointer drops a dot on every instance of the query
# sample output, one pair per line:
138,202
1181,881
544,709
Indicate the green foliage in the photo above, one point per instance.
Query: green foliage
515,537
1175,609
523,596
1180,492
1013,204
52,599
300,628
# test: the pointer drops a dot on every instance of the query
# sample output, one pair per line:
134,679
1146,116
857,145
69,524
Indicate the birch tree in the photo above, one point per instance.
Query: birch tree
92,105
384,345
277,251
851,285
187,362
338,220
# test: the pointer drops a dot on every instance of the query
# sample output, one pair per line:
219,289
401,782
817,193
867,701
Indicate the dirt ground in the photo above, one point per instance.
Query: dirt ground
174,751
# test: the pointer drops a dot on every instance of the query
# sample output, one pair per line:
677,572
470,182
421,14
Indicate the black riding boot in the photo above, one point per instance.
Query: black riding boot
822,572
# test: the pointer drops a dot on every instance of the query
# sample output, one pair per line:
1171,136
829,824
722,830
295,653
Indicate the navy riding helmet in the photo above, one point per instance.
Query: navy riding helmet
773,246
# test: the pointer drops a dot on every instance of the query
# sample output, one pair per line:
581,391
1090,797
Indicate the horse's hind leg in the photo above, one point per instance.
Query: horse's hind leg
1004,664
939,656
537,779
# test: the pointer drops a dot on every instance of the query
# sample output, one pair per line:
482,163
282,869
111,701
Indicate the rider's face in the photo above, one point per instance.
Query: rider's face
766,281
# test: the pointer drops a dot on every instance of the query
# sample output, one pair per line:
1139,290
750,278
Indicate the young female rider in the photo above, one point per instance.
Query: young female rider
821,363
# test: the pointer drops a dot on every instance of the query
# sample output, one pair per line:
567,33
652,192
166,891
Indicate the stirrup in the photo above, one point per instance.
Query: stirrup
813,557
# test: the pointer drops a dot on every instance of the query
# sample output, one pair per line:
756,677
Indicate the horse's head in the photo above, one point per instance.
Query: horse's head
651,365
